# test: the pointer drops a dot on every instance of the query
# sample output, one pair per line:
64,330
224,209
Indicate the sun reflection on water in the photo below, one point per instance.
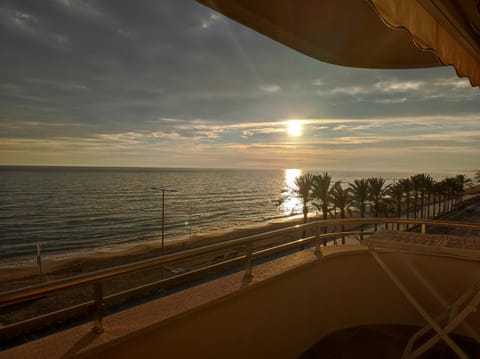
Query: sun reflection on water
291,203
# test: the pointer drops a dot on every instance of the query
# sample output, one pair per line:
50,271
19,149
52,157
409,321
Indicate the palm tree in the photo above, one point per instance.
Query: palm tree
407,188
396,194
450,187
359,191
445,195
406,184
387,207
436,191
303,189
321,192
429,188
342,200
462,182
376,192
417,183
424,181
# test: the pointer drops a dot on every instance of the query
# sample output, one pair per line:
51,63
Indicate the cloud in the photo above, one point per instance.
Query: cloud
391,100
18,21
349,90
270,88
173,77
80,7
211,20
29,25
61,85
318,82
452,82
399,86
125,33
318,128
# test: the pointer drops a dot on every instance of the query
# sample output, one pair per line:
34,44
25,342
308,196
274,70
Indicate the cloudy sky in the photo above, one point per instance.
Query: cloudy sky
172,83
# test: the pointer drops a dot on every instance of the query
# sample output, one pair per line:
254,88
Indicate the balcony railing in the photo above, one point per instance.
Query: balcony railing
313,233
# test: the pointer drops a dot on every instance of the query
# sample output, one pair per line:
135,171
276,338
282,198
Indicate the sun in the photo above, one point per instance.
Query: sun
294,128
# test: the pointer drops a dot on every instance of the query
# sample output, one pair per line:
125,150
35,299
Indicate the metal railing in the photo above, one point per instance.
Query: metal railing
96,279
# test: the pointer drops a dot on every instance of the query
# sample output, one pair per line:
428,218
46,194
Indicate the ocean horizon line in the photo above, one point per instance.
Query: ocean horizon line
189,168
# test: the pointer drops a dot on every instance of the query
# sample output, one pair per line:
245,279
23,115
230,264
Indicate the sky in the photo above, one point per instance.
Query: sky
174,84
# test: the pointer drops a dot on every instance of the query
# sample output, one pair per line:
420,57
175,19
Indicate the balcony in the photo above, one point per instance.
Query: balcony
283,304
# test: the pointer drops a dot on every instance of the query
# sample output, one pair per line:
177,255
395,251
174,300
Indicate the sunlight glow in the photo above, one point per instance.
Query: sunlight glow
294,128
291,203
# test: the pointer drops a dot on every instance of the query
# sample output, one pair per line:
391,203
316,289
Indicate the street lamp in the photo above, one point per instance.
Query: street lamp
163,211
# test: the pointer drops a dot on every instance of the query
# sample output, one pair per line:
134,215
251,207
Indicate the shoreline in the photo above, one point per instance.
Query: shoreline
17,275
21,277
170,241
58,266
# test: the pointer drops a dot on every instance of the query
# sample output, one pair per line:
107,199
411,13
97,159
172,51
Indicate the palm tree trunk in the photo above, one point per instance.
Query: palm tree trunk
362,215
415,209
422,205
399,214
428,206
342,216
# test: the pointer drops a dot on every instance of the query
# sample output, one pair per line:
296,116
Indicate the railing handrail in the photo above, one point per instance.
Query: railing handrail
34,291
31,292
96,278
383,220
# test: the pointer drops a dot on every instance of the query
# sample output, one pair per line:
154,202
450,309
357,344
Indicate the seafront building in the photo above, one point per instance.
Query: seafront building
284,301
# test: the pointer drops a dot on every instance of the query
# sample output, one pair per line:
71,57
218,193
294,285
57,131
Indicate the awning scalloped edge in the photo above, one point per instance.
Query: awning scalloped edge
428,34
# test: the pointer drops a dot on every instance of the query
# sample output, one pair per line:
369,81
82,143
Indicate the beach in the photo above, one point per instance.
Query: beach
16,277
13,277
19,277
74,210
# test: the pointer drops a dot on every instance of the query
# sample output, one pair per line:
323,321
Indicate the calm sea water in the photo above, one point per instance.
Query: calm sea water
71,209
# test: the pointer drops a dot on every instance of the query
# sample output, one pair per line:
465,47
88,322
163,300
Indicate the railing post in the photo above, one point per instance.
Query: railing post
248,263
39,257
318,251
99,308
424,228
325,230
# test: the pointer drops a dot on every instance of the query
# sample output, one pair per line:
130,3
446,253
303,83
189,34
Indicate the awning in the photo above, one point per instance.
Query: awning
419,33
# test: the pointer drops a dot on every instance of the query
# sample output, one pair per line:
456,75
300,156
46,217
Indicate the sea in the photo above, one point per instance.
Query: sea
74,210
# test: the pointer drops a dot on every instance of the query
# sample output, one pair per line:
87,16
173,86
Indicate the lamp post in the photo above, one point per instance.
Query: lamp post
163,211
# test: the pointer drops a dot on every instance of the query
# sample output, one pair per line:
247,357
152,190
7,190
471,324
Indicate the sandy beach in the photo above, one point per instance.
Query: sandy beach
23,276
19,277
12,277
